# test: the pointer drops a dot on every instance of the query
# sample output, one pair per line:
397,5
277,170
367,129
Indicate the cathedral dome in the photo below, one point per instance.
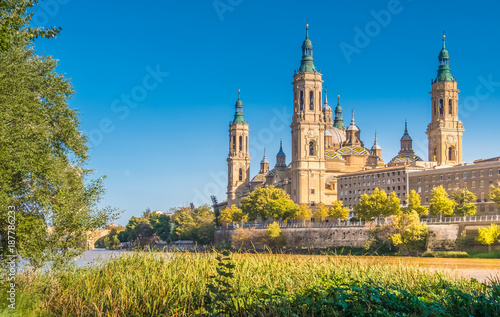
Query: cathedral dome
338,136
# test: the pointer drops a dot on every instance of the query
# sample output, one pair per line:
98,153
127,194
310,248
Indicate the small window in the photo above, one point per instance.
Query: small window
450,107
490,173
234,143
241,174
441,177
311,148
465,174
241,143
441,107
419,180
301,100
312,191
311,100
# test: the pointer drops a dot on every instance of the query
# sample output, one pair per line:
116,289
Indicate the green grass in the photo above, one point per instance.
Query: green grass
484,255
445,254
263,285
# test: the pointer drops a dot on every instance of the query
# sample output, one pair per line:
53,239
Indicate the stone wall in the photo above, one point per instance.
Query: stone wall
441,237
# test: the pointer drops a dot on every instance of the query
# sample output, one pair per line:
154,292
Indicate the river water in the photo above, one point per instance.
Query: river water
480,269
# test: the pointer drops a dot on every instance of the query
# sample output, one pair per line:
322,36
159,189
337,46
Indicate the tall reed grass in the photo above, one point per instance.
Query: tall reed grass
149,284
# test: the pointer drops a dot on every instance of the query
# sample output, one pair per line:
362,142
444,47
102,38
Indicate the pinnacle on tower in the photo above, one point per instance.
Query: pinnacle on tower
238,114
338,122
376,146
325,105
307,62
444,71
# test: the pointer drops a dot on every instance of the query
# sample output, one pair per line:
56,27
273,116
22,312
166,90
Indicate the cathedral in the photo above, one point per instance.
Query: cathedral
324,148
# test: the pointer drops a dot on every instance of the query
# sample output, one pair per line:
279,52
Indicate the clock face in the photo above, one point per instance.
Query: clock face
451,139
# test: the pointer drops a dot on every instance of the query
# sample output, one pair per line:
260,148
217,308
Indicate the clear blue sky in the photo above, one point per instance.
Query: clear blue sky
156,81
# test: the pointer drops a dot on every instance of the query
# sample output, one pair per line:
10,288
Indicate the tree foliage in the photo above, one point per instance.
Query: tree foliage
413,204
494,194
111,241
232,214
439,203
273,231
321,212
303,213
42,151
161,226
488,236
339,212
464,205
410,234
194,224
377,204
269,203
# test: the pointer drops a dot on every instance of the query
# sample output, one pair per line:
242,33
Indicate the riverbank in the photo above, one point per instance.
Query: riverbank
140,284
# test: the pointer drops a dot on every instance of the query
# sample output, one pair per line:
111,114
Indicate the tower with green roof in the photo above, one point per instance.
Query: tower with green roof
238,160
445,131
339,121
308,131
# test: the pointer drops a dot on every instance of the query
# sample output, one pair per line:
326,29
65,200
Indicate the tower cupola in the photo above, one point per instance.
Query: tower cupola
338,122
238,114
307,62
444,71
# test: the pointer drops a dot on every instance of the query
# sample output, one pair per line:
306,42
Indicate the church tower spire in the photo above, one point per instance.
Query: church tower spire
238,160
327,110
445,131
376,149
339,122
308,131
264,164
280,158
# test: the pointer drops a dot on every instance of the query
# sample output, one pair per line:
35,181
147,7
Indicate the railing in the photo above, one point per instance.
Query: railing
491,218
377,222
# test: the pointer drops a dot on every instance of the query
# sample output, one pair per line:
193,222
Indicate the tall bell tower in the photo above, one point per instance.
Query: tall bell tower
238,161
445,130
308,131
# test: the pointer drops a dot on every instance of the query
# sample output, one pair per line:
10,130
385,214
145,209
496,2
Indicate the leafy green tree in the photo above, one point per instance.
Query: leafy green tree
339,212
303,213
321,212
269,202
111,240
494,194
413,200
410,234
439,203
377,204
197,225
43,153
161,226
463,202
232,215
488,236
273,231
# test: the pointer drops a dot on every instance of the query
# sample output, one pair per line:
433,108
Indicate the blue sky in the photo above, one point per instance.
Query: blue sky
156,81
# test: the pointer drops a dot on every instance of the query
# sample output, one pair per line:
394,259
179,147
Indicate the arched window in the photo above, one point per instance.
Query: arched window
311,100
234,143
301,100
441,107
246,143
241,143
435,107
311,148
451,153
435,154
450,107
320,98
240,174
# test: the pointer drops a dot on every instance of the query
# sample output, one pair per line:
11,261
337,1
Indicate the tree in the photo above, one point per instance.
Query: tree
269,202
161,226
463,202
303,213
43,153
410,234
197,225
440,204
338,211
321,212
494,194
232,215
273,231
111,240
377,205
413,201
488,236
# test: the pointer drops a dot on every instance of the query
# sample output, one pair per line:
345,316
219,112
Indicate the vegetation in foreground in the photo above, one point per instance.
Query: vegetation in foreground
251,285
